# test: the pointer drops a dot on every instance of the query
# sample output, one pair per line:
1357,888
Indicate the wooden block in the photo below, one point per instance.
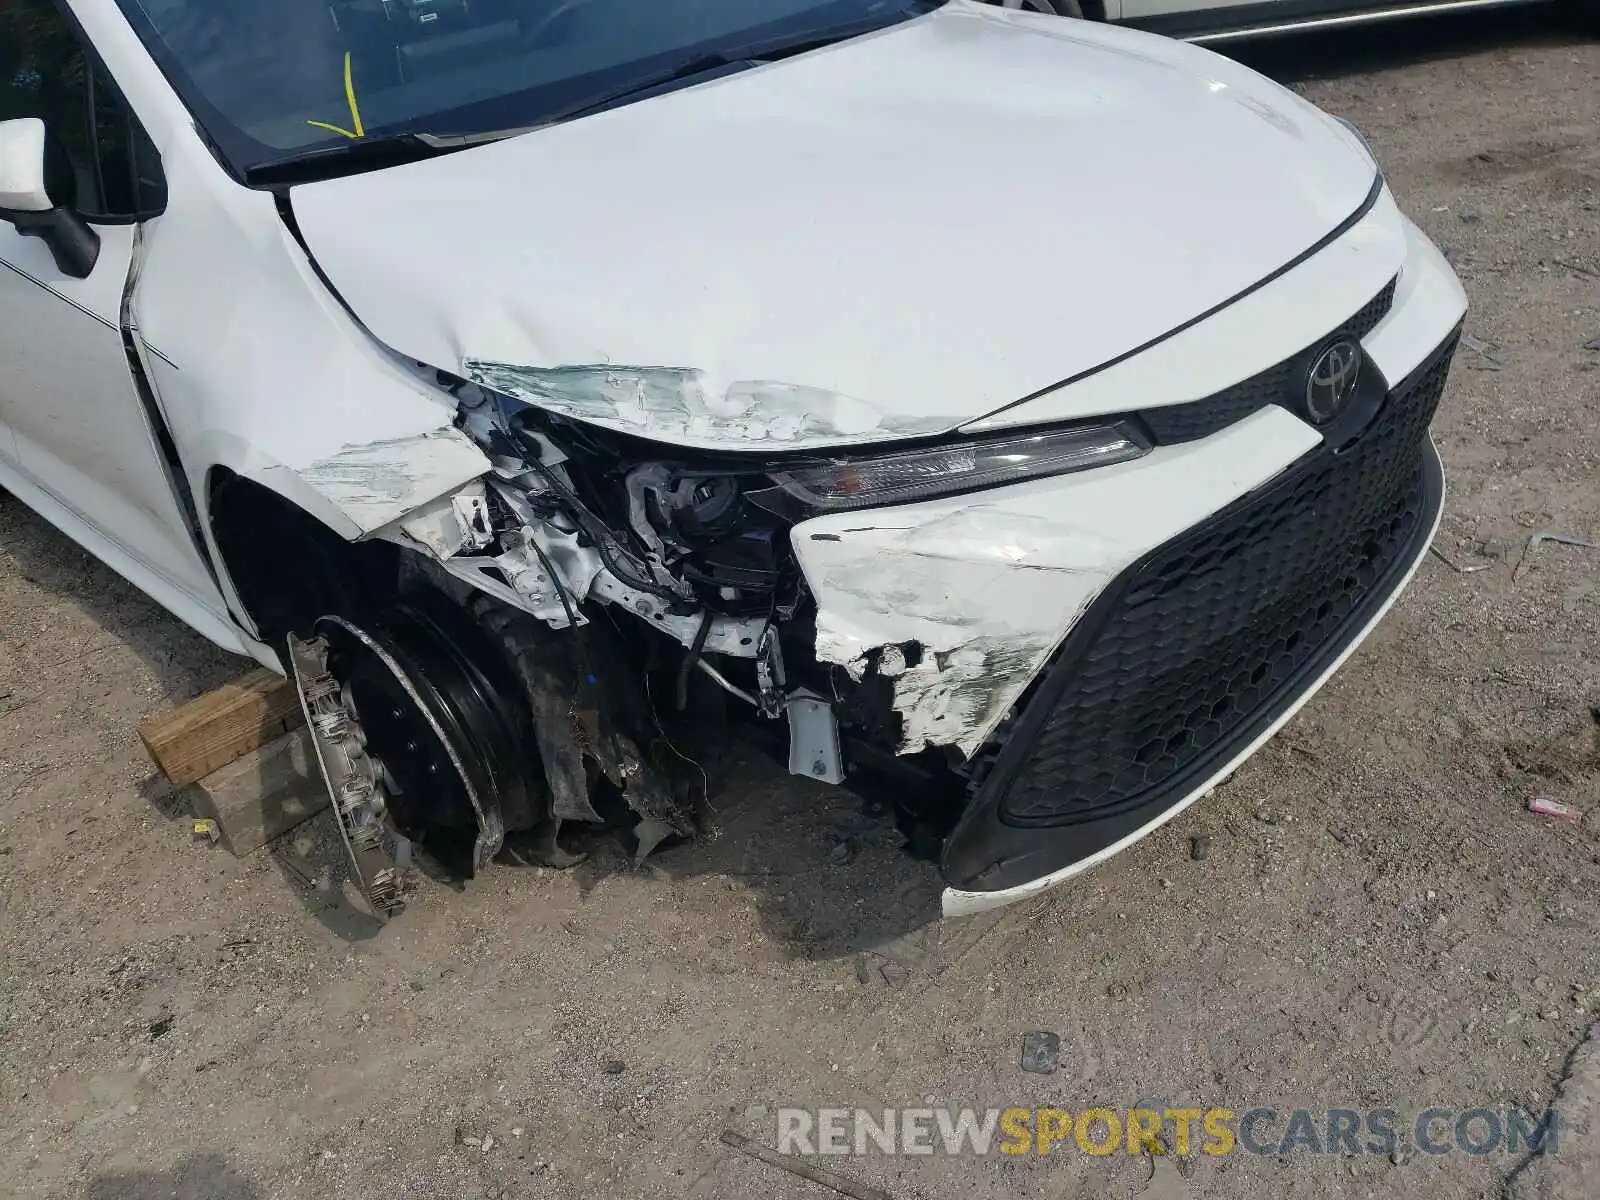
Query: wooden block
262,795
212,731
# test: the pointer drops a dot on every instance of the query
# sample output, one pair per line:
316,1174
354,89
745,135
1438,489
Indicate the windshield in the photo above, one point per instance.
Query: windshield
268,78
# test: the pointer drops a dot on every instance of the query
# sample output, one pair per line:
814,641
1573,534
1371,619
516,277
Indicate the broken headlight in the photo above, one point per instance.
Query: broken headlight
908,475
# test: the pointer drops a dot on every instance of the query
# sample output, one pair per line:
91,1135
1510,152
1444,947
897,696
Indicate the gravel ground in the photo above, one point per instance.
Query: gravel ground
1378,922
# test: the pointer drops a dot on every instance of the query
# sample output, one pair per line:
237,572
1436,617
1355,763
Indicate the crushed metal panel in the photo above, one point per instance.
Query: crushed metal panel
376,483
687,405
586,708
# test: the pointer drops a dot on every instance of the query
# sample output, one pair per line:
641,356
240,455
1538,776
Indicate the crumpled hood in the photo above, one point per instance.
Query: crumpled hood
885,238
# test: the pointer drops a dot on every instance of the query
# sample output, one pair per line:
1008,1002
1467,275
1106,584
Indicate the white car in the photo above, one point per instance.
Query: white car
525,374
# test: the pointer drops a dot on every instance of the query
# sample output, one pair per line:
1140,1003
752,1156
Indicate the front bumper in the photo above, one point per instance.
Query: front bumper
1104,646
1196,656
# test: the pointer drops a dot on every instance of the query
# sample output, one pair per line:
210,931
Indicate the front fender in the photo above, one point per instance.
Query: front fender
267,374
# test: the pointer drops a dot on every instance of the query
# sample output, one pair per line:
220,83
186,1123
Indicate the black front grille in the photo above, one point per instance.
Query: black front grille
1275,385
1194,649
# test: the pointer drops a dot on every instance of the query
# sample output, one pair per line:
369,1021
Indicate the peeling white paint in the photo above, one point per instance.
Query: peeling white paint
957,697
988,533
686,405
978,628
376,483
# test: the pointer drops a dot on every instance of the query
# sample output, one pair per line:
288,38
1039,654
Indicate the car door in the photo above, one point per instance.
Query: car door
81,430
8,451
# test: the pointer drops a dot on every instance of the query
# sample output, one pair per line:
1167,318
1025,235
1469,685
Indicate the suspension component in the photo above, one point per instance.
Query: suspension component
420,731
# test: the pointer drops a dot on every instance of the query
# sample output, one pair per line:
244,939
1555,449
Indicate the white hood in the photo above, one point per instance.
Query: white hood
887,237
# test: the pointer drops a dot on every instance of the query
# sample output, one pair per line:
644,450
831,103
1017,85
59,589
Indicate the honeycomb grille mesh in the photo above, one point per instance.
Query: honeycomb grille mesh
1200,638
1202,418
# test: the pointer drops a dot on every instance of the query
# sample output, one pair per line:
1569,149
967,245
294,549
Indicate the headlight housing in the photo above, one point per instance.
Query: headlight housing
900,477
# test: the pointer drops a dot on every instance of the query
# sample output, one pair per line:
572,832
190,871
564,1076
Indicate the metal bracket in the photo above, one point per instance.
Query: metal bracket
813,738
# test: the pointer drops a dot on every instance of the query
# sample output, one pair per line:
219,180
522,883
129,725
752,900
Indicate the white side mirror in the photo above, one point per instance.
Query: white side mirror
22,166
25,202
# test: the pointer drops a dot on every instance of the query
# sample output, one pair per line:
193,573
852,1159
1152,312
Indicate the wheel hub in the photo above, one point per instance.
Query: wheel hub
420,733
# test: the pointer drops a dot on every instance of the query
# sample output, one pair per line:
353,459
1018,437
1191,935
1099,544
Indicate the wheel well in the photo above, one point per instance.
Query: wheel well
288,568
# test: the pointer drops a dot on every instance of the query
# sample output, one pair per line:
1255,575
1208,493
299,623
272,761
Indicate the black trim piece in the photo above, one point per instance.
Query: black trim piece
1338,231
987,853
90,87
88,312
166,445
97,73
1282,384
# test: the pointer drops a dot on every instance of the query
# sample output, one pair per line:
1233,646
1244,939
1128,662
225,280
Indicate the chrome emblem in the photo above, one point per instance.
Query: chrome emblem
1331,380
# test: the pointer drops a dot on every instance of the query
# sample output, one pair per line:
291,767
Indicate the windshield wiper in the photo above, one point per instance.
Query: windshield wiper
392,149
362,154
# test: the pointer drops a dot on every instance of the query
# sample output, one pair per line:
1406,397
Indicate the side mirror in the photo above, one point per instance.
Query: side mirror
25,200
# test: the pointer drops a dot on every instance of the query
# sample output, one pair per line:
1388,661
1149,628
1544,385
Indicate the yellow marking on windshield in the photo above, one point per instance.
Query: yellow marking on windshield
355,109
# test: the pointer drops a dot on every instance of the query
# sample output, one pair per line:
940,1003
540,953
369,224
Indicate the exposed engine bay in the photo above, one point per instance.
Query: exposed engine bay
567,624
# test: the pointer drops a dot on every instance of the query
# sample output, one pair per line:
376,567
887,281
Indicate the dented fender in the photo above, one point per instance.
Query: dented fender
277,382
361,487
960,602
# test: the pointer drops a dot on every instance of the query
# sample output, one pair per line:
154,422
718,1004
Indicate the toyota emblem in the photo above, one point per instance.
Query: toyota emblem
1331,380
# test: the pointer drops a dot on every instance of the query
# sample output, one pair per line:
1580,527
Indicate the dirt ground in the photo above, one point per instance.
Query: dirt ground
1379,922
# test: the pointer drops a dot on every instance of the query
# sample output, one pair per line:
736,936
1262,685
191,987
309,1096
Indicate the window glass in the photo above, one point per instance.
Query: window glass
266,77
130,170
44,73
100,162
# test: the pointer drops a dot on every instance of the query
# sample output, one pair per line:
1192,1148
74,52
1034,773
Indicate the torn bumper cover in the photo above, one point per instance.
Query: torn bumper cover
1102,658
1198,653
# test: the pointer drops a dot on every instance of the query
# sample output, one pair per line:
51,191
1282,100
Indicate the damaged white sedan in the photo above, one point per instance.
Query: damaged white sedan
1022,418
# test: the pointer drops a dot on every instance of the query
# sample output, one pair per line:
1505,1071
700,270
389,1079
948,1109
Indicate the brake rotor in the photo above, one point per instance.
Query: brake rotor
415,721
380,857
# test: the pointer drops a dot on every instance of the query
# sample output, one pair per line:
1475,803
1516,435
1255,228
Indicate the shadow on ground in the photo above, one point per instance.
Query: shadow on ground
831,879
826,867
182,663
197,1177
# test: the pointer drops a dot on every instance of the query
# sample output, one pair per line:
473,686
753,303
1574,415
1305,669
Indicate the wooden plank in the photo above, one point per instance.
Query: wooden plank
210,732
262,795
